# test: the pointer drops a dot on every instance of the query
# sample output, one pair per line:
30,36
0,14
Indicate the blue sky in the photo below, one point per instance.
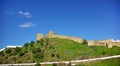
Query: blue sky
21,20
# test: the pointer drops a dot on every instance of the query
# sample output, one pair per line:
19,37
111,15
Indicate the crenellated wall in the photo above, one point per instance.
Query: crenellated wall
108,43
51,34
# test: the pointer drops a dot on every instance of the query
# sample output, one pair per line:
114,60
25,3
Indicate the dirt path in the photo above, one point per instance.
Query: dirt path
73,61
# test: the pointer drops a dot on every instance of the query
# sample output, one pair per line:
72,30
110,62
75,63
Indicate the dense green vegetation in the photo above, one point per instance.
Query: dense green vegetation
54,49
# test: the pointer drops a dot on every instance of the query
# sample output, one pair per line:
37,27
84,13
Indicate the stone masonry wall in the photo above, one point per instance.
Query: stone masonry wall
39,36
108,43
51,34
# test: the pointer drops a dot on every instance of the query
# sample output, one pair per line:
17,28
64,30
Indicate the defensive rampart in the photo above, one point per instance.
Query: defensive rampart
108,43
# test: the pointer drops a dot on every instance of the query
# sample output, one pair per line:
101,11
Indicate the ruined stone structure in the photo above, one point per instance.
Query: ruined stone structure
108,43
51,34
39,36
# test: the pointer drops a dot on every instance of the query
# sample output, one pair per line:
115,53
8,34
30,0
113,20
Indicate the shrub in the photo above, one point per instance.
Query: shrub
32,42
47,41
52,55
42,42
58,56
26,44
21,53
85,41
37,64
8,50
103,52
54,64
2,53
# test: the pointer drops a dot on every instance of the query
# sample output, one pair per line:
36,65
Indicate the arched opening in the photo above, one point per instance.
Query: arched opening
106,45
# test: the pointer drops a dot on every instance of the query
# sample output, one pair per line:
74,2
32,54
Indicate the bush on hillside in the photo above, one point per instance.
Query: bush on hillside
32,42
37,64
8,50
26,44
54,64
85,41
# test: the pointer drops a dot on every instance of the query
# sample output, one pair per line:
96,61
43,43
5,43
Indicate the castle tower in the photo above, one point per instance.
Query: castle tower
39,36
51,32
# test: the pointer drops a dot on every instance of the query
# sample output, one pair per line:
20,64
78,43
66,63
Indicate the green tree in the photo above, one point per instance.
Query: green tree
85,41
42,42
8,50
54,64
38,41
52,55
17,50
103,52
37,64
32,42
2,53
21,53
38,56
36,50
47,41
26,44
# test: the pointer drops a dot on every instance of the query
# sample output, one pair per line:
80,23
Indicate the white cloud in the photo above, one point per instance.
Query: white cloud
26,14
27,25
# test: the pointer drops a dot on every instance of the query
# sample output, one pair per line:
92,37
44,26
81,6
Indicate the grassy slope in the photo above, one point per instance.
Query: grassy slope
70,50
54,49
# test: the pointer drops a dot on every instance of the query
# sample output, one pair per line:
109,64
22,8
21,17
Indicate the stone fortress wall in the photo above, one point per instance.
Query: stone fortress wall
39,36
108,43
51,34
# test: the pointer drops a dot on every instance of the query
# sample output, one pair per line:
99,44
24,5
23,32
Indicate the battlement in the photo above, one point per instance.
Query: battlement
51,34
108,43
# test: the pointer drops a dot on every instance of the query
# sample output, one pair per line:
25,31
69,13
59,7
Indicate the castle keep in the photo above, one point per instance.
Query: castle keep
108,43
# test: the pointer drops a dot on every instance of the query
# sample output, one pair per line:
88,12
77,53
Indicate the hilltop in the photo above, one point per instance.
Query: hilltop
108,43
54,49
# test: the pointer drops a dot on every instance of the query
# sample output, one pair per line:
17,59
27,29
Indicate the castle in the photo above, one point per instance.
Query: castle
108,43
